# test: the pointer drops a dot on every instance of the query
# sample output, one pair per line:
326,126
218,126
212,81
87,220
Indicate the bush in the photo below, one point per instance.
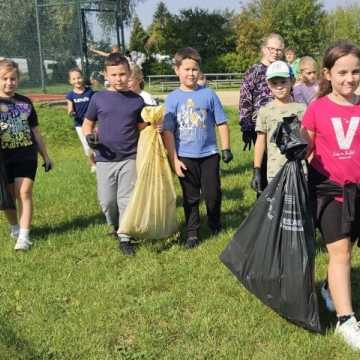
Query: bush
60,70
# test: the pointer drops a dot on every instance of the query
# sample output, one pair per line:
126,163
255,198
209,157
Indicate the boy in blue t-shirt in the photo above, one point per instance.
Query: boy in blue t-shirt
191,114
77,103
116,112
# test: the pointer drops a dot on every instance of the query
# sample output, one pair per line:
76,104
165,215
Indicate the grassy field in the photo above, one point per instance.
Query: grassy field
74,296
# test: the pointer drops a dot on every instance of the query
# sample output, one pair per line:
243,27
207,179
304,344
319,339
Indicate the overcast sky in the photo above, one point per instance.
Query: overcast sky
145,10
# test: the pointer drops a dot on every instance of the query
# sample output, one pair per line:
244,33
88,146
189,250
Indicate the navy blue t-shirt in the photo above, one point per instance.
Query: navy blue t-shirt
117,115
81,103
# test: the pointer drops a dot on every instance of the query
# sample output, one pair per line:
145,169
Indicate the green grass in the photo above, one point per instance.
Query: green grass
74,296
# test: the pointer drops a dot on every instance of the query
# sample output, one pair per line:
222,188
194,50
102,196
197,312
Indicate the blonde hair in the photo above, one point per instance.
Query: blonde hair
137,74
306,61
7,65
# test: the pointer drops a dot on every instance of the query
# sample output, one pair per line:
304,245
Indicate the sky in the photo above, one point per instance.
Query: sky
145,9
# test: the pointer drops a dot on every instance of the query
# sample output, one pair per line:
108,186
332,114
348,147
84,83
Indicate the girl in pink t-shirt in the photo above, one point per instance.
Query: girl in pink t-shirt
332,126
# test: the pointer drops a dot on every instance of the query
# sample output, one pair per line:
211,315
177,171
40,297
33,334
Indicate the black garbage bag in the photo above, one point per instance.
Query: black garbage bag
273,251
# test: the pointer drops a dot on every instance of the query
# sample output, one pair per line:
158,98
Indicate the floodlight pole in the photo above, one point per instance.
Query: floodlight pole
42,75
78,12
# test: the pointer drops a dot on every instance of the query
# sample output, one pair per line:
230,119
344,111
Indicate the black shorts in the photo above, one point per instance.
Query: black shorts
331,226
21,169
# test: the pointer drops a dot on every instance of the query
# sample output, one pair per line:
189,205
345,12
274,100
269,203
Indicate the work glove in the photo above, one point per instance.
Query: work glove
93,140
249,138
256,180
47,165
226,155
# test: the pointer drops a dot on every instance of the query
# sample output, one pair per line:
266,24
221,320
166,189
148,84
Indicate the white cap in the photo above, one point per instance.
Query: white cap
279,69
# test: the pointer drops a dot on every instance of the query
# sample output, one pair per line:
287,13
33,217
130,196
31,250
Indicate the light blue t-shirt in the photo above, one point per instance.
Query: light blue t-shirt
192,116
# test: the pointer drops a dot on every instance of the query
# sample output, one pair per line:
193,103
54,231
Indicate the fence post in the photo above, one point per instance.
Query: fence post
42,75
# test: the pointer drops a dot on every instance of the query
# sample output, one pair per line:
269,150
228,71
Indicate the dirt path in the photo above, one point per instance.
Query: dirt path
229,98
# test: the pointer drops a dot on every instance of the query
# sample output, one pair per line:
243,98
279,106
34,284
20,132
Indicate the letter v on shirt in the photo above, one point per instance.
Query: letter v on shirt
345,140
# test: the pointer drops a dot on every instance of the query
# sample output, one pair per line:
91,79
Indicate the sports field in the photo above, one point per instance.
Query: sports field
74,296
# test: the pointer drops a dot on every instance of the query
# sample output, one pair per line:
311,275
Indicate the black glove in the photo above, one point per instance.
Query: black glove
248,137
226,155
72,114
47,165
92,140
256,180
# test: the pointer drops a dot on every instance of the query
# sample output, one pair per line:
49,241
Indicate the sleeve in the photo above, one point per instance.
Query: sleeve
246,100
91,112
68,96
218,110
139,118
33,118
261,125
170,114
309,120
298,95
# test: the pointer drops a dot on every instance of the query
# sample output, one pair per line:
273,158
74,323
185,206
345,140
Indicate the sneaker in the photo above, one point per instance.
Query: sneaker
127,248
191,242
325,294
350,332
22,244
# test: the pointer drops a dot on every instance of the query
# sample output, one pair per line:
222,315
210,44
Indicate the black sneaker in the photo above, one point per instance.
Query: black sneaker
127,248
191,242
216,231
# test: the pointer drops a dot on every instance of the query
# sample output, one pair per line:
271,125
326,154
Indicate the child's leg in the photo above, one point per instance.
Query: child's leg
190,185
23,192
210,186
126,178
106,189
339,269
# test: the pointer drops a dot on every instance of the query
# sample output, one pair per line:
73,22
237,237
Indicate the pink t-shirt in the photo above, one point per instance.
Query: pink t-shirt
337,139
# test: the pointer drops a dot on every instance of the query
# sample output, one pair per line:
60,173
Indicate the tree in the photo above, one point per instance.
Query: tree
162,34
138,36
344,23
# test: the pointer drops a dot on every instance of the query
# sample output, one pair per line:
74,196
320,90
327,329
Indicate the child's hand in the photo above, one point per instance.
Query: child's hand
179,167
158,127
48,165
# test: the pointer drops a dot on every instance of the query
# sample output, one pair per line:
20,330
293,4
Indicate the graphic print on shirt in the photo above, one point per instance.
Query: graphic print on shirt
191,122
18,133
345,137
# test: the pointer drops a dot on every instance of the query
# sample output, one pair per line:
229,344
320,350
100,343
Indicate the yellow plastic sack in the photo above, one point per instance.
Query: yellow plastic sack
151,213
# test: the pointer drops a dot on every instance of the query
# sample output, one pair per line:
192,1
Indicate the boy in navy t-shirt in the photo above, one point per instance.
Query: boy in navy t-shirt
191,114
116,113
77,103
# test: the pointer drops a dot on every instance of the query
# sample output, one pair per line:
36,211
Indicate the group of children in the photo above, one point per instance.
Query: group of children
109,122
329,117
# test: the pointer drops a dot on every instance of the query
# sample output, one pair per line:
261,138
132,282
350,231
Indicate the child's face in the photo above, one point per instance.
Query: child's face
8,82
309,75
118,77
290,57
76,79
188,73
344,76
134,84
280,87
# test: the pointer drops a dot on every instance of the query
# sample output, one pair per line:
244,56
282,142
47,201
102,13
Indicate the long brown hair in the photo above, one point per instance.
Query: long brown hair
332,54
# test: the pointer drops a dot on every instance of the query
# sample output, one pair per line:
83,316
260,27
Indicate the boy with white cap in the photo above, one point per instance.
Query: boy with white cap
280,80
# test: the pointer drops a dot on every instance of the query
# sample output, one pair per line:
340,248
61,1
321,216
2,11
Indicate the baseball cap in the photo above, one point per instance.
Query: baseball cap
279,69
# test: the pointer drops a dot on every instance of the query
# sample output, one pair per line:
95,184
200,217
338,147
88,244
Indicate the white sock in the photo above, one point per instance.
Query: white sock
24,233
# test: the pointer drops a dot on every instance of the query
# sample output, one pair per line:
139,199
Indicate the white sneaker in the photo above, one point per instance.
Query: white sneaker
325,294
22,244
350,332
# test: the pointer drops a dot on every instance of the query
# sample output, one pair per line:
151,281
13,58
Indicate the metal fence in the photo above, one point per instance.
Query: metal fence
48,37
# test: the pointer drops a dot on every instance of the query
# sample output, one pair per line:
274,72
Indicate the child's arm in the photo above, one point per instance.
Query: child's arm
70,108
88,127
142,125
98,52
224,134
169,142
259,150
42,148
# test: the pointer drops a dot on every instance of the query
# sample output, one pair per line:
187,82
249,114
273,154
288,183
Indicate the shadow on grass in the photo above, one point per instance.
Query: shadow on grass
20,348
77,223
227,170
